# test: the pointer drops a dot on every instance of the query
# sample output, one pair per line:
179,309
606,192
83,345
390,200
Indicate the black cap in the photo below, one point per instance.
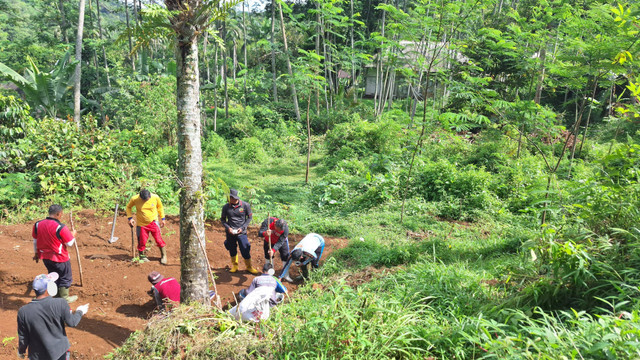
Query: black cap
296,254
233,193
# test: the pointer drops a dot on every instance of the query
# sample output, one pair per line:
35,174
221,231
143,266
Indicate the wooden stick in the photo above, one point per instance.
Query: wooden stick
77,252
213,280
269,239
133,251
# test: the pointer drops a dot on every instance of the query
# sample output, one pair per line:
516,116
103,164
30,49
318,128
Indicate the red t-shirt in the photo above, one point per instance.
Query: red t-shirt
51,236
169,288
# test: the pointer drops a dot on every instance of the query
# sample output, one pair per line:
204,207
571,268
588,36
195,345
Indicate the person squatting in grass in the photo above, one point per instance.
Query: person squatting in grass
165,291
308,250
276,232
41,323
148,210
50,241
236,216
266,280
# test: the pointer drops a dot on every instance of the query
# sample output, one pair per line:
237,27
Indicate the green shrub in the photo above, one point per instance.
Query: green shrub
16,189
215,146
358,137
249,150
145,106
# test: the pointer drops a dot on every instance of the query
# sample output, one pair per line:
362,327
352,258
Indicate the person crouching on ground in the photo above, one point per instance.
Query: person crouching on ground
308,250
41,323
165,291
235,217
148,210
266,279
276,238
50,241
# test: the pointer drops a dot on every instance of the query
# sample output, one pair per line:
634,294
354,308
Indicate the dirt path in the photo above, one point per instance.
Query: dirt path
115,287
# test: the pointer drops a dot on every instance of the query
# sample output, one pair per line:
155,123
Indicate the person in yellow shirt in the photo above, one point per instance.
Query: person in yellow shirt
148,211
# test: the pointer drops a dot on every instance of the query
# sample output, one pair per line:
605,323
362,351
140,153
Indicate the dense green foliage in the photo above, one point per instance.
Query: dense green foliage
490,213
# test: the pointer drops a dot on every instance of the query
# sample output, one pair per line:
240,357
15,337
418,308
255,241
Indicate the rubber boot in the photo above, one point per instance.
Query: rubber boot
163,259
250,268
143,257
234,264
63,292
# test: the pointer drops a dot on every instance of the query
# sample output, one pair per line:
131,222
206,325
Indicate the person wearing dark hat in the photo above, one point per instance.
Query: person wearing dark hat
165,290
266,279
149,219
235,217
41,323
308,250
276,238
50,241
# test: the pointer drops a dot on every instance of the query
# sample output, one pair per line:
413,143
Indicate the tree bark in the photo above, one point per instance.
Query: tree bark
353,64
286,52
76,78
273,50
306,174
131,57
194,267
244,49
104,53
543,56
64,24
224,70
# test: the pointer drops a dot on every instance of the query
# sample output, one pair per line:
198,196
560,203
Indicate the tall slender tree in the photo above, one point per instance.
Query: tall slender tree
76,82
189,18
294,95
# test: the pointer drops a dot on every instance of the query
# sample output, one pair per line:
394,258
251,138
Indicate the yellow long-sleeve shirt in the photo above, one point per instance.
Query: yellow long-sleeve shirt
146,211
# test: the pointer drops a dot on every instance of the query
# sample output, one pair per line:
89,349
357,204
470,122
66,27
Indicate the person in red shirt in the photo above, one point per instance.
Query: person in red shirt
50,241
276,232
166,291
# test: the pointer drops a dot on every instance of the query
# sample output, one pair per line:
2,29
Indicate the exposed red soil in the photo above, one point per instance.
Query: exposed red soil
115,288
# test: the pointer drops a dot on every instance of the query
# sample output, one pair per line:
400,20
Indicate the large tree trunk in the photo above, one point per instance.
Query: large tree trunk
286,52
194,267
76,78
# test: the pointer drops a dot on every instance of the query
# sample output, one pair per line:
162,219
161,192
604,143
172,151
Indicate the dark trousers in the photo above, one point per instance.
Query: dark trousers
242,241
63,269
284,250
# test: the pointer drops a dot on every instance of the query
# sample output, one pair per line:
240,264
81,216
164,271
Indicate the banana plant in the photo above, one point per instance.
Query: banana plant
45,92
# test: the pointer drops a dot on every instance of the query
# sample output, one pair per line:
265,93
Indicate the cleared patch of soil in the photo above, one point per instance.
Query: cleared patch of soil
115,288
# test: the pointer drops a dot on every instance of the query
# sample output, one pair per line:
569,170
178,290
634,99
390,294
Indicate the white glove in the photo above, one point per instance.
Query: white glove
83,309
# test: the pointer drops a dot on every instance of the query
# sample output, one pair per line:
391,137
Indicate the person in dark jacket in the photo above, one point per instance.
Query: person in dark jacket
276,238
41,323
235,217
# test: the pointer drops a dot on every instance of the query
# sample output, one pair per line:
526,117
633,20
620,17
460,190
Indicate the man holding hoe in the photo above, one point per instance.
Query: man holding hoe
148,210
50,241
276,238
